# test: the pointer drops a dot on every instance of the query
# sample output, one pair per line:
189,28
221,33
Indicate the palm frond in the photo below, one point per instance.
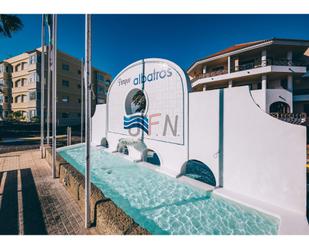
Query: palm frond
9,24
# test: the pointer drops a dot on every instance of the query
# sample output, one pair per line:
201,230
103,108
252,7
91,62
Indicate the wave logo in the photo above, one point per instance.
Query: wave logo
136,121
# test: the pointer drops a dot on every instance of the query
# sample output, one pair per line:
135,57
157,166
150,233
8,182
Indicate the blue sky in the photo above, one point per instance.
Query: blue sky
119,40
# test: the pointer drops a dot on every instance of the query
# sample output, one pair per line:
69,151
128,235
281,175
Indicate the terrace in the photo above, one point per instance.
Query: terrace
253,64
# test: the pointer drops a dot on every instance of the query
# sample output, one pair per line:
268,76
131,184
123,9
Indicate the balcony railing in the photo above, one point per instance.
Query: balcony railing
247,66
268,62
293,118
210,74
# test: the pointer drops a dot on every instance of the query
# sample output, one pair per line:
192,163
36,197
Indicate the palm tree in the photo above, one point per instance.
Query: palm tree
139,101
9,24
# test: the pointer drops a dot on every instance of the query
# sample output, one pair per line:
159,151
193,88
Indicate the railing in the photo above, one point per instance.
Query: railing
293,118
210,74
268,62
247,66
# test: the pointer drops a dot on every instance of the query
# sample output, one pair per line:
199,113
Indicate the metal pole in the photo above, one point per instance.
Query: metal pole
42,84
48,96
54,95
87,117
82,103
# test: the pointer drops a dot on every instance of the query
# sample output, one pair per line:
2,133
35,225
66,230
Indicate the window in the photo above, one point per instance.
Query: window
32,113
21,66
1,99
78,115
19,99
18,68
65,67
32,95
79,101
34,77
79,86
65,83
79,72
65,115
1,68
1,82
8,69
20,82
215,69
32,59
65,99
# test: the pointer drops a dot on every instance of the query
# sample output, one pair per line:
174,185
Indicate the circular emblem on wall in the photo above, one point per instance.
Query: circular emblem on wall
135,102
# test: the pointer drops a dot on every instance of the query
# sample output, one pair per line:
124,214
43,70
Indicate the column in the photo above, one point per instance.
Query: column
204,69
290,58
290,89
263,105
204,87
236,62
229,64
264,58
290,83
264,82
230,83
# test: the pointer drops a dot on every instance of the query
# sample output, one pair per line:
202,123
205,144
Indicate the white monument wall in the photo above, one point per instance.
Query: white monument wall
98,125
263,158
204,129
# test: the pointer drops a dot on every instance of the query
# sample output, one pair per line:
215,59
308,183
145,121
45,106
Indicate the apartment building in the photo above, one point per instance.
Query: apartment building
21,87
5,89
275,71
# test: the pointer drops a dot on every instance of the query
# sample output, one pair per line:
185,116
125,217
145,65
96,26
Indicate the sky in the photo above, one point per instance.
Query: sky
119,40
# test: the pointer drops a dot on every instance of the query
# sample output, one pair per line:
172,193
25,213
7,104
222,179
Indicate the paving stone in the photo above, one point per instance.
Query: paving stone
60,213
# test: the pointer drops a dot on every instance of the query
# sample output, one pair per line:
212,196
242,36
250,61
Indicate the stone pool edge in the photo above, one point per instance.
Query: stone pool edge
106,216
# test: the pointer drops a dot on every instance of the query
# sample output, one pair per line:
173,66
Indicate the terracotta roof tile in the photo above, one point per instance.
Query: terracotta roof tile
236,47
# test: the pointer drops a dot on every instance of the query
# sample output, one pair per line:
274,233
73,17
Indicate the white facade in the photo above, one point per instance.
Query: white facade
264,65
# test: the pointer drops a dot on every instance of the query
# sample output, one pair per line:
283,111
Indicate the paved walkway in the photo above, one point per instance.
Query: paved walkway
31,202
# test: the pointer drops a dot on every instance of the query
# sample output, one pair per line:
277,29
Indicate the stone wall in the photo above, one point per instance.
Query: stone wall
106,217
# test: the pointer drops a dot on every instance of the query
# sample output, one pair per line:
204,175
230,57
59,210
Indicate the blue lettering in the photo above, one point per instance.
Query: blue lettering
152,76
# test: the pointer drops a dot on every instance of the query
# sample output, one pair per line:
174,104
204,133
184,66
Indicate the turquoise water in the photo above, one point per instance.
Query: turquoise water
163,205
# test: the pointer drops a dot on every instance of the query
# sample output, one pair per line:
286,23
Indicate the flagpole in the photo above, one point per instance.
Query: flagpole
48,20
48,95
54,95
42,83
87,84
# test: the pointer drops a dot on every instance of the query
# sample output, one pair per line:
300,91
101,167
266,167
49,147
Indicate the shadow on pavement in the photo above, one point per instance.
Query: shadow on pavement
33,221
9,205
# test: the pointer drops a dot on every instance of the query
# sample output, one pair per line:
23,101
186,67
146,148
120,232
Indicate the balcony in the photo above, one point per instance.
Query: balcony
268,62
254,65
208,75
25,104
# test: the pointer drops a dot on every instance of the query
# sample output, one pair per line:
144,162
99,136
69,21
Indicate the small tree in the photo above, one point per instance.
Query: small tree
35,119
18,116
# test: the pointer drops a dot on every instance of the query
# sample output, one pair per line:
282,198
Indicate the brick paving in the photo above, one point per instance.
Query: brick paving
31,202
